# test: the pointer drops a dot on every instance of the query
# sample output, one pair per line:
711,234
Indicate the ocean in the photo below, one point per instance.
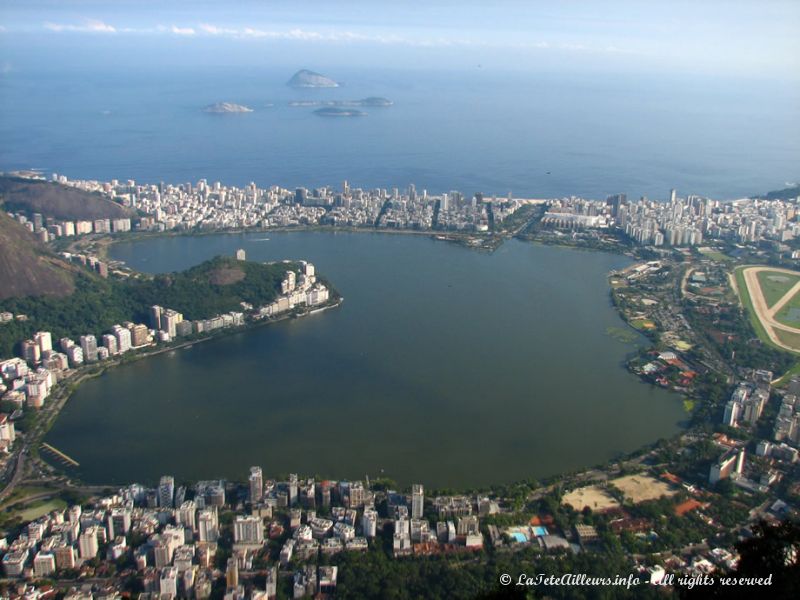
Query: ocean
533,135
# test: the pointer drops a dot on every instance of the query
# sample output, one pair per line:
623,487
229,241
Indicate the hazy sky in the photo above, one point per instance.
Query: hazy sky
724,37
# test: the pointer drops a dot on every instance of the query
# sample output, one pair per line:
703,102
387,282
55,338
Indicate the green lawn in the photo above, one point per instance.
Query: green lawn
789,338
714,254
774,285
783,315
748,305
784,379
23,492
762,334
643,324
42,507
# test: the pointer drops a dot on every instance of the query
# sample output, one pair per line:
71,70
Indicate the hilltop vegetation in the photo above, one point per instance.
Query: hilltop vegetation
210,288
27,267
213,287
58,201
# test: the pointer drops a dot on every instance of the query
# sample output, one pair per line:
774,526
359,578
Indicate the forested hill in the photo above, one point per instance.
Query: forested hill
213,287
61,202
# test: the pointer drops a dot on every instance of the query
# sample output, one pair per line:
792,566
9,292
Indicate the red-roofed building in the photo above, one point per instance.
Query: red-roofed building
688,506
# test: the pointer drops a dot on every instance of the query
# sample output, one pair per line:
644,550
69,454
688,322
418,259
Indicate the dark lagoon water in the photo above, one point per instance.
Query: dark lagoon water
535,134
444,365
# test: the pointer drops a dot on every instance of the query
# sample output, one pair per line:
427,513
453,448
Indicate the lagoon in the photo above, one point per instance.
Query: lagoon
444,365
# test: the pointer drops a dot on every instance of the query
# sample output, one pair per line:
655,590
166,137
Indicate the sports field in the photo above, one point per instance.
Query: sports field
772,298
592,496
774,285
640,488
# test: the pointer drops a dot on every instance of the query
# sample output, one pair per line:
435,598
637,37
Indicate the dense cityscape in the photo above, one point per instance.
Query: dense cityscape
680,221
399,301
271,538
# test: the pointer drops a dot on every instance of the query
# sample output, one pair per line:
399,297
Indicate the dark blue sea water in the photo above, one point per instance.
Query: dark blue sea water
536,135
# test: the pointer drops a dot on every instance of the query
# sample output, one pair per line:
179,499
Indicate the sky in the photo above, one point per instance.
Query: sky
715,37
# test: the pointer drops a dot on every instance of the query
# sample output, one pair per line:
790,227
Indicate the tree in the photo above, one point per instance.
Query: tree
773,551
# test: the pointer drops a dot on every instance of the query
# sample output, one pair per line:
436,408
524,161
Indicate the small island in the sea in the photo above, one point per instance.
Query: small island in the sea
226,107
332,111
373,101
309,79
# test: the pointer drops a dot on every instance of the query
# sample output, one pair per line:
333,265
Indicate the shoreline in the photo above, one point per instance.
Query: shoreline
106,241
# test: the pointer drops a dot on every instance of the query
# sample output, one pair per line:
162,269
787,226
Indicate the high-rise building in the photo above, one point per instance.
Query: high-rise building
89,347
417,501
187,515
207,526
256,480
731,462
123,336
110,343
75,356
731,416
248,530
232,574
65,556
271,584
292,488
356,494
44,340
119,522
169,321
168,584
87,543
139,335
44,564
31,351
369,522
155,316
166,491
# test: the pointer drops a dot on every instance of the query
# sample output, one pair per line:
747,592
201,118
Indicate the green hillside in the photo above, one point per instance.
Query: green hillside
213,287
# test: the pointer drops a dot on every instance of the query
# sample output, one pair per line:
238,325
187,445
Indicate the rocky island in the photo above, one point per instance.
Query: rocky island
331,111
309,79
373,101
226,108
